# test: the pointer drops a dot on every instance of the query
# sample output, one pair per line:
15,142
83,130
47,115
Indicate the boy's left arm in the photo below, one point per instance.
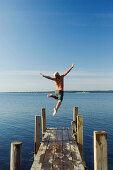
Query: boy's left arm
68,70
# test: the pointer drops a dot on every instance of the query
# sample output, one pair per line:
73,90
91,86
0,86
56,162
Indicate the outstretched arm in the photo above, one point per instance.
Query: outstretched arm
68,70
48,77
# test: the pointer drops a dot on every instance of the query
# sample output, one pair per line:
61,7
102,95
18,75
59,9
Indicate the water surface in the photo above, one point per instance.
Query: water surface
17,121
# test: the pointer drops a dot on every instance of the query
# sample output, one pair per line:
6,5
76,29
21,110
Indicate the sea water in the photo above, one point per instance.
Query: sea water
17,122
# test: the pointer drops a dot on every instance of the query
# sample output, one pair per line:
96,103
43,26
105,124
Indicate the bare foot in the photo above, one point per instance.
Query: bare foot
54,112
49,95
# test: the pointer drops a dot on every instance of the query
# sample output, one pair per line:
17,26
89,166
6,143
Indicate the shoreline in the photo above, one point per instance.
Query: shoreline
66,91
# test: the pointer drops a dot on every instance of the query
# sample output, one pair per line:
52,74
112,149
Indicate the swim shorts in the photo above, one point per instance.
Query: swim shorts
59,94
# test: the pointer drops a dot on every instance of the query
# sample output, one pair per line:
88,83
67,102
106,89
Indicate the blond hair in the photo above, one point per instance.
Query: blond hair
56,75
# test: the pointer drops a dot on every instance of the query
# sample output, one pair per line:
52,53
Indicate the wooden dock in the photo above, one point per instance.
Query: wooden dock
58,151
61,148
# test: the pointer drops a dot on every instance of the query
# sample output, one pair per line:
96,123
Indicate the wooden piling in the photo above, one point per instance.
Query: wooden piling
74,122
37,133
15,156
75,114
100,150
80,134
43,121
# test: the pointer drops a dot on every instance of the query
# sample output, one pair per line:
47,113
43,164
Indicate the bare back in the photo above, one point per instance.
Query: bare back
60,83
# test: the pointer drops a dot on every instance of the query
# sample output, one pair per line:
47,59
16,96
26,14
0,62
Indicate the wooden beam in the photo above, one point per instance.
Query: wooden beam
80,134
75,113
15,156
74,122
100,150
37,133
43,121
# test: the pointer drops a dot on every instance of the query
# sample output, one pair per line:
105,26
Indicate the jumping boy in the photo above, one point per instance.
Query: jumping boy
59,80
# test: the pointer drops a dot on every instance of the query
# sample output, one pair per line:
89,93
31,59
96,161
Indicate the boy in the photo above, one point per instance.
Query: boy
59,80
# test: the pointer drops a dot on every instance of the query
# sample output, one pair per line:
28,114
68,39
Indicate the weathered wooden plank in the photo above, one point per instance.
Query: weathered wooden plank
59,135
71,156
65,135
52,128
56,149
38,160
57,161
61,128
40,156
66,159
70,135
49,154
69,152
76,157
75,152
47,162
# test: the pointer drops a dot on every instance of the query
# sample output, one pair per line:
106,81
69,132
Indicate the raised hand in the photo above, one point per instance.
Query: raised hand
41,74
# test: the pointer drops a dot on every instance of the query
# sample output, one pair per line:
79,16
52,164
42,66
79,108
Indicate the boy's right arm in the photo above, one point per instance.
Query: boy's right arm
48,77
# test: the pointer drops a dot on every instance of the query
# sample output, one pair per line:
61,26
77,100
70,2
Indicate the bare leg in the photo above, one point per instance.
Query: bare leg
57,106
50,95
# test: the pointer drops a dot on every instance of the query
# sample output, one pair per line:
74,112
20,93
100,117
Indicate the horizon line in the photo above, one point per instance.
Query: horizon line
53,91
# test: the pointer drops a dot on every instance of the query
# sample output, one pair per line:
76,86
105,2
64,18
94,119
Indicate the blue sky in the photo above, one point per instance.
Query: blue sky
49,35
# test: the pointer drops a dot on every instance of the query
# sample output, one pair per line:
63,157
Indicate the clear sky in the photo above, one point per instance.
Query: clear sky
49,35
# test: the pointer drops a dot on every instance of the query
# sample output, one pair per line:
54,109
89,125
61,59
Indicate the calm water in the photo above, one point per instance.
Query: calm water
17,114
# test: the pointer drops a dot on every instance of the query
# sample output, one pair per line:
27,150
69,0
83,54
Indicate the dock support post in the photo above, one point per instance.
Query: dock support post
74,122
75,114
37,133
43,121
15,156
100,150
73,128
80,135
